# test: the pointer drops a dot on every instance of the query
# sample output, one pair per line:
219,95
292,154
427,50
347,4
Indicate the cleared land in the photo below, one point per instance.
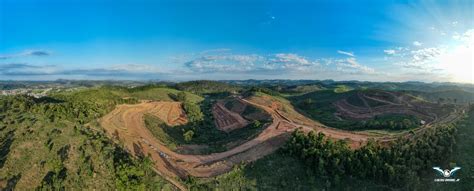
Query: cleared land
227,120
247,111
363,106
126,124
370,109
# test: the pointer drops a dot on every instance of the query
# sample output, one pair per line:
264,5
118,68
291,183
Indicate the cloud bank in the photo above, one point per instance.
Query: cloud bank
280,65
26,54
213,64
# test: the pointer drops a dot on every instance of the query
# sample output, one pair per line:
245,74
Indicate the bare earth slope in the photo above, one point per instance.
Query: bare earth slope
227,120
126,124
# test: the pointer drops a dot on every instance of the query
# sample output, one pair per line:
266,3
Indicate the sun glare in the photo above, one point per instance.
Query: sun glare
458,61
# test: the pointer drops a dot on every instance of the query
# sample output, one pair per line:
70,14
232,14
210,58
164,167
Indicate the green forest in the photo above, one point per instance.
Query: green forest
400,165
55,143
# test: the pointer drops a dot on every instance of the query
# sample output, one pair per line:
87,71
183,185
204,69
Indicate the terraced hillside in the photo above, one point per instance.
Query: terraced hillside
227,120
172,164
370,109
248,112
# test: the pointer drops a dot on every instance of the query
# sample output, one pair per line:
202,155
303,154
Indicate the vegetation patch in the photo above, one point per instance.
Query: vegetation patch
391,122
381,110
461,157
400,165
249,112
342,89
253,113
319,106
202,87
355,100
278,171
45,145
201,130
169,136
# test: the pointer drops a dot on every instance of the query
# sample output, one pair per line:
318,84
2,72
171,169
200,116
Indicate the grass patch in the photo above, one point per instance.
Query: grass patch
342,89
169,136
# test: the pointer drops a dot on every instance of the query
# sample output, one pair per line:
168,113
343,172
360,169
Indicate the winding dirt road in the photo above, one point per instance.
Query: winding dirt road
126,124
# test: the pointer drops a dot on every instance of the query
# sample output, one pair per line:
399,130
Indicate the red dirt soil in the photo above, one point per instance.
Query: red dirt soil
226,120
126,124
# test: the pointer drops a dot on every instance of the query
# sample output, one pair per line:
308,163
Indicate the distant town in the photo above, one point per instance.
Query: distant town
37,93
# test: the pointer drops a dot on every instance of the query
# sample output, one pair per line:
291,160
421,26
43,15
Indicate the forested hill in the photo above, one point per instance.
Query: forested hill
205,86
447,96
55,142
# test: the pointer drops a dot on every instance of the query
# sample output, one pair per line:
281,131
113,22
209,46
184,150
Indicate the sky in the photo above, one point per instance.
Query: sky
429,41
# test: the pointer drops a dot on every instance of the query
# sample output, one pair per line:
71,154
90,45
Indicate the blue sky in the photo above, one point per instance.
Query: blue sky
186,40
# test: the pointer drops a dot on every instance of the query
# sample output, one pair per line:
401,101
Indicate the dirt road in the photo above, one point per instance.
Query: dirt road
126,124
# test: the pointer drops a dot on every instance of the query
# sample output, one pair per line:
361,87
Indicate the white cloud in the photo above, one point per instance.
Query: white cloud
291,63
425,54
351,66
269,19
224,63
389,51
346,53
420,59
416,43
467,37
251,63
456,36
282,63
452,61
443,63
217,50
290,59
215,64
136,68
